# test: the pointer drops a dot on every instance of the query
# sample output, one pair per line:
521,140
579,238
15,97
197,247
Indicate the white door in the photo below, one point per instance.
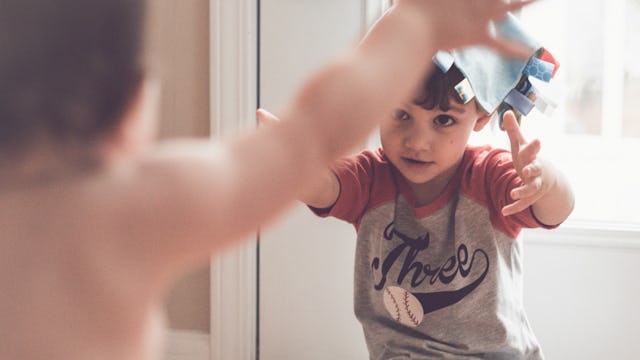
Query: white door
305,263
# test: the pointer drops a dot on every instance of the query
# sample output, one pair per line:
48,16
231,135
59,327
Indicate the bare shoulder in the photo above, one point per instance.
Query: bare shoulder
68,240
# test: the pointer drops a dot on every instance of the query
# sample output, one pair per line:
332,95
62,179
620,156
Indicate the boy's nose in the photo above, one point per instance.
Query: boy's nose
418,140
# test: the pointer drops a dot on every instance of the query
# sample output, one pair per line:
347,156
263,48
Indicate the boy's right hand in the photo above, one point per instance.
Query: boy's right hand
459,23
266,118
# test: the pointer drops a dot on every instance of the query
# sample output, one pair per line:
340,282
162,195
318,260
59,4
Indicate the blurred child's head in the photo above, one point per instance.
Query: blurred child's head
69,70
426,139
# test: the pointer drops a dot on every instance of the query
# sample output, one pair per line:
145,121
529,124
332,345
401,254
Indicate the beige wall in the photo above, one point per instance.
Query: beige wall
178,53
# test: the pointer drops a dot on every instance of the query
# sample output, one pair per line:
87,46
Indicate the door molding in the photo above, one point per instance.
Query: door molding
233,101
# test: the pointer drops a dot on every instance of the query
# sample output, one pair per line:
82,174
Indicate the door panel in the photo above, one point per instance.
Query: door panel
306,263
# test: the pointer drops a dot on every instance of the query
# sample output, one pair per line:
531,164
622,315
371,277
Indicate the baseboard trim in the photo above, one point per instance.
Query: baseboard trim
187,345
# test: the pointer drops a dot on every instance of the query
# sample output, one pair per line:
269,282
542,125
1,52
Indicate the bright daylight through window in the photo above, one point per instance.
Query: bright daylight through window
594,134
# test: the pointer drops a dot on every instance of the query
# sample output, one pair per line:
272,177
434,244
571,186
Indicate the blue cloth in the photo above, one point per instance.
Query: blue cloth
492,75
518,101
444,60
539,69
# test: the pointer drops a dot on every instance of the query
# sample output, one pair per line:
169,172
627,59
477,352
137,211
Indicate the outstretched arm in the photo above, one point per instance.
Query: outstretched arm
323,191
545,188
204,202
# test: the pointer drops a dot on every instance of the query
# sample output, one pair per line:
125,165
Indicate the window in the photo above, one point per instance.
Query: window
594,134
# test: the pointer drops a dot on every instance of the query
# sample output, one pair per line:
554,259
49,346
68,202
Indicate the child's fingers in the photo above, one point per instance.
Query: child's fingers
266,117
515,207
527,190
508,48
502,45
520,204
514,6
510,125
529,152
532,170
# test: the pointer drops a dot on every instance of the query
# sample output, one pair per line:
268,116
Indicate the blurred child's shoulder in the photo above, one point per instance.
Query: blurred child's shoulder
374,156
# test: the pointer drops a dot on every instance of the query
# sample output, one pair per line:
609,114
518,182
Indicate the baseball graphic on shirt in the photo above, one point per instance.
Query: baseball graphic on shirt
402,306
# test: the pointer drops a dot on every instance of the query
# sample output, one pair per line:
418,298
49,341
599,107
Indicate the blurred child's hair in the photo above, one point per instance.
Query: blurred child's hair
438,89
68,69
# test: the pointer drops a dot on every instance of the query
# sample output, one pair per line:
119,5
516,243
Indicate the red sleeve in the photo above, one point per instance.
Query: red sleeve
364,180
491,178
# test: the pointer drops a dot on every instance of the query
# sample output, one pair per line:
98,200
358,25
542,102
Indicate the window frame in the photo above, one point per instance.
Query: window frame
613,150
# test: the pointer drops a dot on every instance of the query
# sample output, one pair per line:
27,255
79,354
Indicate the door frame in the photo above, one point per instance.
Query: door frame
233,101
234,84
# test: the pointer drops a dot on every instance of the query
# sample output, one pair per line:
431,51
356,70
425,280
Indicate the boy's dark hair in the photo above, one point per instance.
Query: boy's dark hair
67,69
438,89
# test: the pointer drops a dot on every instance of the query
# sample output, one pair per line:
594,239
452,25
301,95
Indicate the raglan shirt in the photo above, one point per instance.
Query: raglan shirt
442,280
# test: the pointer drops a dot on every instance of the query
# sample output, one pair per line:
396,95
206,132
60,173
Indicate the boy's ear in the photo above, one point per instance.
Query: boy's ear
482,121
137,127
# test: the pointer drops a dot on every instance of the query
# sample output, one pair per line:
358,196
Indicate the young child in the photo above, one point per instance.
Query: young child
438,267
95,222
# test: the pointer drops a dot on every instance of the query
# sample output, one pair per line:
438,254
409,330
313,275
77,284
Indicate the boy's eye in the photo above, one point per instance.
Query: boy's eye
401,115
444,120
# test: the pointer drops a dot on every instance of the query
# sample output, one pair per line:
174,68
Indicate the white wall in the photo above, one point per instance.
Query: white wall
306,271
581,287
582,293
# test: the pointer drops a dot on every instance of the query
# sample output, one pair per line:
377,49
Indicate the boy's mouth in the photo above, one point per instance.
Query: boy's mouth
413,161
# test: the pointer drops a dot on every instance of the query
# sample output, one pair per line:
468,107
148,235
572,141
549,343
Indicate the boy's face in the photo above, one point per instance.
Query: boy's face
429,144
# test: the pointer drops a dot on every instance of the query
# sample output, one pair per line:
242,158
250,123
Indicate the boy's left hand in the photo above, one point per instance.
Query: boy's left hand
536,180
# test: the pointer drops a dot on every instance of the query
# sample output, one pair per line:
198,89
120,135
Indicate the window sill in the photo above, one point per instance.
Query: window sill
588,234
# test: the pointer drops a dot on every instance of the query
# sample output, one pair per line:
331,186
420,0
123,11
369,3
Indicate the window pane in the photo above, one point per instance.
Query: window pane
631,114
581,138
573,31
584,66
